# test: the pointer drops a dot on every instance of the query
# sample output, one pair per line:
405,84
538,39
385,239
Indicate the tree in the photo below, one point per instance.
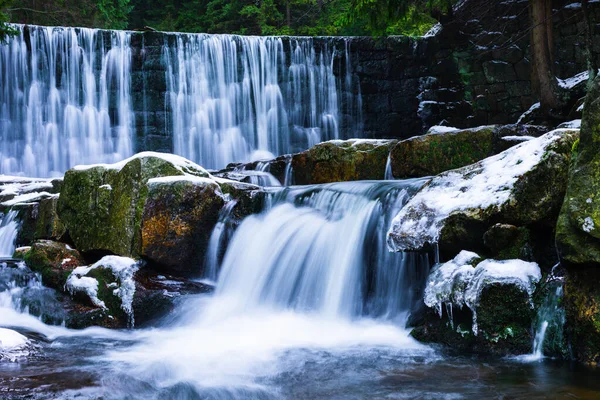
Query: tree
5,29
542,55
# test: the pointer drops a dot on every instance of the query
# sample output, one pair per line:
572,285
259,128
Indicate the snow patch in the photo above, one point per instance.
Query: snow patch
588,224
573,81
456,283
437,28
13,345
575,124
437,129
122,268
28,198
182,164
487,183
107,187
528,112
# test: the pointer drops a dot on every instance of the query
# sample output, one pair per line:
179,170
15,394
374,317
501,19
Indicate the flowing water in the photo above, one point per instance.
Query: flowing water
9,228
68,96
309,305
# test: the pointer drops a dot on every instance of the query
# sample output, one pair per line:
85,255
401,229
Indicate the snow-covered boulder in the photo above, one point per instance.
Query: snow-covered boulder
158,206
521,186
480,305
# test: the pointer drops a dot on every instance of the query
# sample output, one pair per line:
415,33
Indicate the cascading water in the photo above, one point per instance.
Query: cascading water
323,248
237,98
64,99
8,233
550,319
72,96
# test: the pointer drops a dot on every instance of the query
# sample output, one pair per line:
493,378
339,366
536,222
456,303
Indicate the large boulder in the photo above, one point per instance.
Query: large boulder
158,207
480,306
441,150
101,206
578,228
340,161
522,186
332,161
582,307
177,221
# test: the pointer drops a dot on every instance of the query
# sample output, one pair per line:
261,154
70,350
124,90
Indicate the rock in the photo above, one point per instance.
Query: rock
507,242
177,221
522,186
341,161
40,221
128,293
157,295
332,161
439,151
582,307
53,260
102,206
434,153
498,298
577,231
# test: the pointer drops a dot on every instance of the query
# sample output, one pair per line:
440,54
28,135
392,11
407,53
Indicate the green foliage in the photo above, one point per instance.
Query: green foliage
5,30
113,13
249,17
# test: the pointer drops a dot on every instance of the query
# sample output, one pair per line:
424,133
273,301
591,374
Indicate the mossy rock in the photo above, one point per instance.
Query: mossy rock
582,307
504,318
40,221
342,161
578,228
53,260
507,242
101,207
177,221
435,153
535,202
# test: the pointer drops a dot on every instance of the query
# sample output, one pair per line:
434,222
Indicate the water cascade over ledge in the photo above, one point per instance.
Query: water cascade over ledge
82,96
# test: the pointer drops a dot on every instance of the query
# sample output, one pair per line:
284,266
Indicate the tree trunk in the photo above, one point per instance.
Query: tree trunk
589,34
288,13
543,78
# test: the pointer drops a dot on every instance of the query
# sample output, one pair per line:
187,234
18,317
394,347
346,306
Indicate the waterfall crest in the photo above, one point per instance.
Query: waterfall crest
83,96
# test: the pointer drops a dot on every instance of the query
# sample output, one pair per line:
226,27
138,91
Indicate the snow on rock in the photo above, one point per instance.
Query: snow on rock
484,185
437,28
29,198
182,164
77,282
529,112
446,283
575,124
456,283
13,345
573,81
437,129
122,269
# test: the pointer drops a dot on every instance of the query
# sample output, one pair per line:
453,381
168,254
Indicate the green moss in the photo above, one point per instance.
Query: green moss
435,153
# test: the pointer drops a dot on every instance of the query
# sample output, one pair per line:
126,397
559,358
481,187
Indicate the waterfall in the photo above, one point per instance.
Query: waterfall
550,317
237,98
9,227
64,99
323,249
73,96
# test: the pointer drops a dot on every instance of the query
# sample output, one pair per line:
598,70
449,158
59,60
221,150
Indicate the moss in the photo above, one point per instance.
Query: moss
435,153
582,307
341,161
50,260
102,208
578,228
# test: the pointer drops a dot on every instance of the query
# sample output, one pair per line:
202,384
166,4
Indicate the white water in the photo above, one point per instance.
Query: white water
9,227
66,97
234,95
64,100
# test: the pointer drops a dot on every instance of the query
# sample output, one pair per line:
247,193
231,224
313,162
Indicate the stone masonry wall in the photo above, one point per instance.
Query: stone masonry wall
475,71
